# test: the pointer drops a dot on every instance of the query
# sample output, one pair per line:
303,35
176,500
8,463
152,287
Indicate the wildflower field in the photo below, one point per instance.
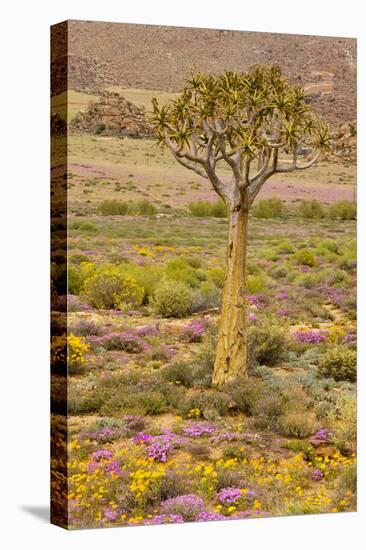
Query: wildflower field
149,440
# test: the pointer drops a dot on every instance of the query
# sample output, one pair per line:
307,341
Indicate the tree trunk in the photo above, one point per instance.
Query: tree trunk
231,355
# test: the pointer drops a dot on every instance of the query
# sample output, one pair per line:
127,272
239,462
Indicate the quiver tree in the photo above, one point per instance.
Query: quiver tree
255,123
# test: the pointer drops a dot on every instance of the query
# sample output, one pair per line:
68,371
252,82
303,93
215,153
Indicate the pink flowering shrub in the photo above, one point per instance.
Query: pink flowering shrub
189,506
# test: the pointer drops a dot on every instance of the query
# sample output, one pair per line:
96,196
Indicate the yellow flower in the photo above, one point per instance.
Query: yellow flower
256,505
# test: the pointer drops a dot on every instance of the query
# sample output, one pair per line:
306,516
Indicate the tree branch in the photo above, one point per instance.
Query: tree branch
190,166
294,166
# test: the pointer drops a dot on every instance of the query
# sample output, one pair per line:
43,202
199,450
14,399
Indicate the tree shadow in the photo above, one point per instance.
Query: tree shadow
40,512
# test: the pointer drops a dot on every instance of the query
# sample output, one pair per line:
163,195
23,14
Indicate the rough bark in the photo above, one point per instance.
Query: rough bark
231,355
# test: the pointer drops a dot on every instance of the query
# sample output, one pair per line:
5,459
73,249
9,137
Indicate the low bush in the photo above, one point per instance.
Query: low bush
206,297
255,284
206,209
297,424
304,257
77,274
113,208
269,208
311,209
142,208
342,210
179,373
108,288
340,363
87,328
146,276
172,299
266,343
86,226
279,272
245,392
180,270
344,419
152,403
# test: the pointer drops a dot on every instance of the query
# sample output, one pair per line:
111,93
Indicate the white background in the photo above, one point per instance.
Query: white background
24,173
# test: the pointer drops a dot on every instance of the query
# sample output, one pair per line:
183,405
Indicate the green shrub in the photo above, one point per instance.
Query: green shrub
206,209
311,209
329,244
193,261
180,270
179,373
82,404
88,227
207,297
344,418
297,424
279,272
108,288
172,299
113,208
77,275
304,257
269,208
143,208
146,276
306,280
285,247
245,393
234,451
346,483
152,403
255,283
217,276
266,343
343,210
340,363
299,446
267,409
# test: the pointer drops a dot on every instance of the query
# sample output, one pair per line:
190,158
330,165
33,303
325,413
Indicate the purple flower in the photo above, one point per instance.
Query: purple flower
158,450
317,475
252,300
141,437
126,341
158,446
102,455
229,495
198,429
189,506
310,336
110,514
253,318
112,468
147,330
283,312
193,331
323,435
282,295
350,338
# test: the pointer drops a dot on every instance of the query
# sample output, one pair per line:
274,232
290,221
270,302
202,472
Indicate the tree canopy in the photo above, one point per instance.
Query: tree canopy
257,122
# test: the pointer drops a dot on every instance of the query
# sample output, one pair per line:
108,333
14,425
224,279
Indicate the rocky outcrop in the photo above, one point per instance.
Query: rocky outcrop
112,115
344,144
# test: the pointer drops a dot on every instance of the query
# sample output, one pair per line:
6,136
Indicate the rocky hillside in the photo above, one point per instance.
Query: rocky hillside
112,115
160,58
